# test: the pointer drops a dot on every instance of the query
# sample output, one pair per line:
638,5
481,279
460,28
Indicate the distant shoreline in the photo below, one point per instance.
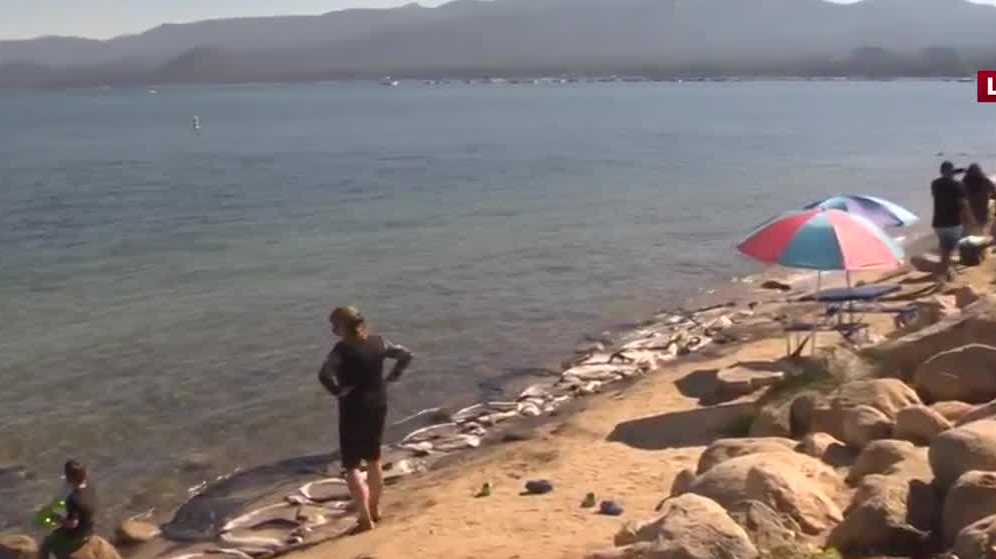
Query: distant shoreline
499,81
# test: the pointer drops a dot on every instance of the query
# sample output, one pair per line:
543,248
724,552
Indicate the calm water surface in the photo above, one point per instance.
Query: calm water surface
164,293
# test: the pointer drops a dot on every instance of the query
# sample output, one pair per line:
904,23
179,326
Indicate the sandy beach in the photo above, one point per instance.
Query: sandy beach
625,441
635,441
627,445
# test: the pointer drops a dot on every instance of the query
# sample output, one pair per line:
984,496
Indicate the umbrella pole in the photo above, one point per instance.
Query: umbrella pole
850,304
819,287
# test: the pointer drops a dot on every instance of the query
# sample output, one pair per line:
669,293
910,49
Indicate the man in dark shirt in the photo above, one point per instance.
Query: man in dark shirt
950,206
77,525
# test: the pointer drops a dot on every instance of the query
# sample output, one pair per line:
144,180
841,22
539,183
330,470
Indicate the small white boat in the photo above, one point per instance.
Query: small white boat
389,82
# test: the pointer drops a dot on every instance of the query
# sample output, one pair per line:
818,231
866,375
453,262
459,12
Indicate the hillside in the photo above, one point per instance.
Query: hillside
473,37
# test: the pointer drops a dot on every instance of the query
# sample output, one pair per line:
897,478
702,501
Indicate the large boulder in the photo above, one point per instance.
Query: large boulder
133,531
682,482
791,418
962,449
768,529
920,424
887,395
835,414
687,527
865,424
96,548
826,448
975,541
792,495
891,515
891,457
952,410
984,411
792,484
974,324
18,547
966,373
970,499
722,450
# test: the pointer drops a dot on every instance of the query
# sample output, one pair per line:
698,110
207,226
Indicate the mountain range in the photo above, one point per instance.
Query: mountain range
498,37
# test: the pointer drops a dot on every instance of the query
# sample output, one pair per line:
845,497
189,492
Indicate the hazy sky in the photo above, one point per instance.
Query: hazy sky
107,18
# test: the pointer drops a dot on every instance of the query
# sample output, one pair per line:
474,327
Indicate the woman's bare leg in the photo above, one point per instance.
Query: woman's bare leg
375,479
361,497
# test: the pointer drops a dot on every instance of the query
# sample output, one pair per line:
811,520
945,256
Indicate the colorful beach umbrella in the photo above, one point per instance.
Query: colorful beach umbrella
879,211
823,240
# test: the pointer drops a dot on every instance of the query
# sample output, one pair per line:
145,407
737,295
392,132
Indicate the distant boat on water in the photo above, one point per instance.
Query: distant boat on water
389,82
153,92
197,124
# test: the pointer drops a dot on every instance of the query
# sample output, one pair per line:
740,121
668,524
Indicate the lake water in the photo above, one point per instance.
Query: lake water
164,293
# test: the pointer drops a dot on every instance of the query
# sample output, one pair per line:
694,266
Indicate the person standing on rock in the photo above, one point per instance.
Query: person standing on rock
76,527
354,373
949,206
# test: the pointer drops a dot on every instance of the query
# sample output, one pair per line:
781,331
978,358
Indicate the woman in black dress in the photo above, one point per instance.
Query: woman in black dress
354,373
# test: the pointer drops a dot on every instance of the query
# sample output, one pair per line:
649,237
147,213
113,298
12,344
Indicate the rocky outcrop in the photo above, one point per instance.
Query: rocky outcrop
892,458
966,374
985,411
768,529
739,381
953,410
682,482
792,484
792,418
975,541
962,449
970,499
824,447
18,547
687,527
889,514
974,324
920,424
96,548
725,449
857,412
887,395
793,496
133,531
865,424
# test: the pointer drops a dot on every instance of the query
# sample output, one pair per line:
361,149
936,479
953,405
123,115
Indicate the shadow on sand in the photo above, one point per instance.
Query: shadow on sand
682,429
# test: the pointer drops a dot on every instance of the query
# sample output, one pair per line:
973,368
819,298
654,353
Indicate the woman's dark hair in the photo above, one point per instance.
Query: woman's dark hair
974,170
75,472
